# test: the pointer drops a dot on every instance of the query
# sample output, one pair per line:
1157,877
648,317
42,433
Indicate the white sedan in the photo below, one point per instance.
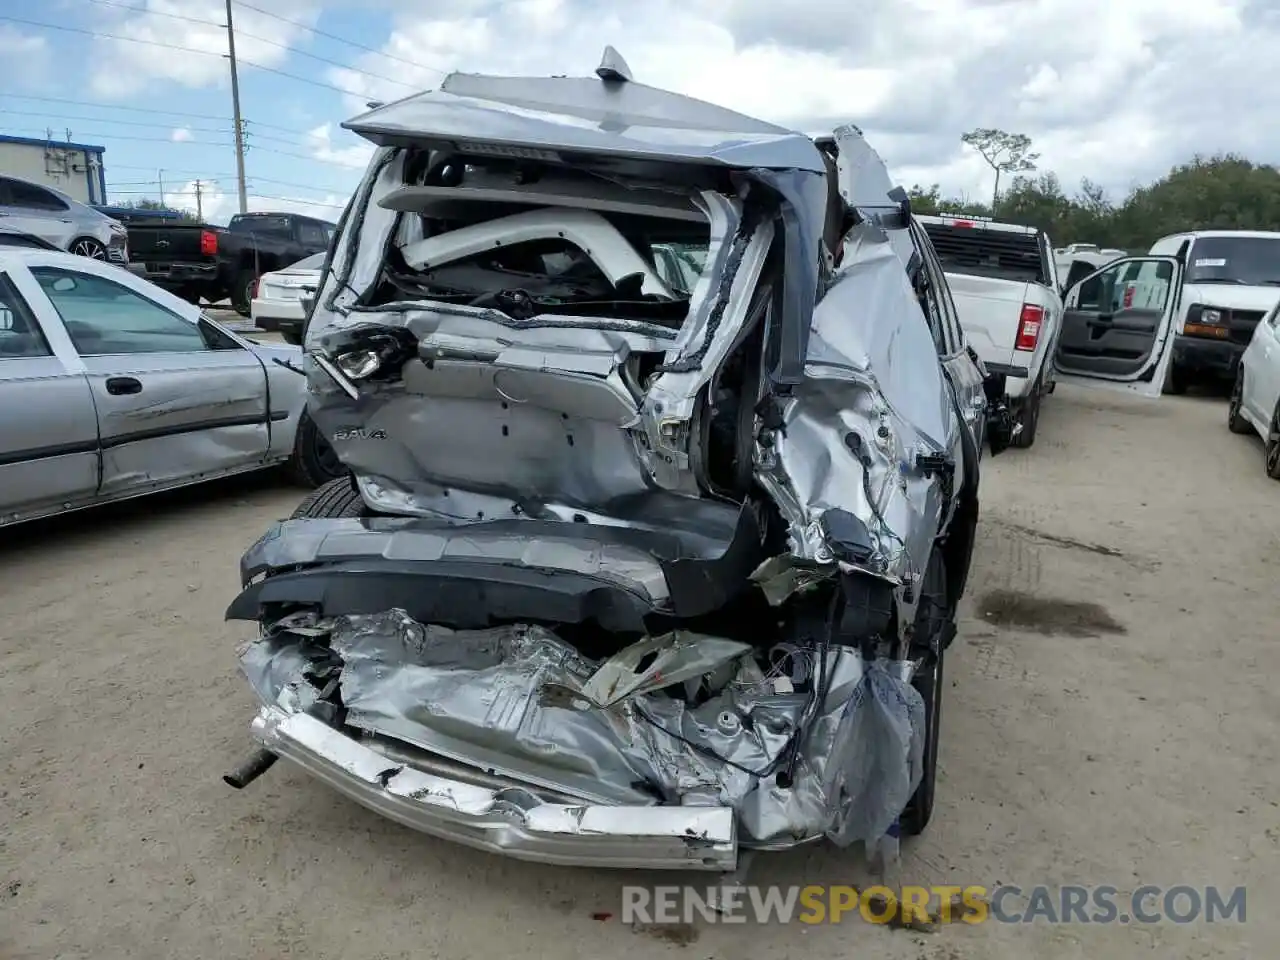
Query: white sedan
1255,398
278,300
112,388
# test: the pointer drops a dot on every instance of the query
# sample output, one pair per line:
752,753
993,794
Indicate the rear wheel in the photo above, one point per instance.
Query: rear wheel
334,500
314,462
934,617
1176,382
1029,417
242,292
1235,422
1273,445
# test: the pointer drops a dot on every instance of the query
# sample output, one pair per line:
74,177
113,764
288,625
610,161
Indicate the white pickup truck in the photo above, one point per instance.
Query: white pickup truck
1004,282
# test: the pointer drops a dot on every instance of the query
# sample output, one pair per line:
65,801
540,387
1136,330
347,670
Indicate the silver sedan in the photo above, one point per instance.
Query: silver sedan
112,388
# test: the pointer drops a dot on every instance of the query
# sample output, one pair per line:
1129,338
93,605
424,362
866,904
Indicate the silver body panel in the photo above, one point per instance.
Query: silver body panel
58,219
74,438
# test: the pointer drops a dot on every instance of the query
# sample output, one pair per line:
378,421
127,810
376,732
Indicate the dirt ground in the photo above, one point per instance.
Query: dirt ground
1111,719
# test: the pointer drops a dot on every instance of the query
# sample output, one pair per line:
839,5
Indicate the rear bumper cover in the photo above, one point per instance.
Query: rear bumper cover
269,314
507,821
1200,355
182,274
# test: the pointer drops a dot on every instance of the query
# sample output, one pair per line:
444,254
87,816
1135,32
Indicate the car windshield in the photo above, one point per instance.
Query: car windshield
1251,261
313,262
260,223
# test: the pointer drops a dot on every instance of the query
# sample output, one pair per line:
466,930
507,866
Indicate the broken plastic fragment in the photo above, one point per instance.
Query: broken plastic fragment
780,577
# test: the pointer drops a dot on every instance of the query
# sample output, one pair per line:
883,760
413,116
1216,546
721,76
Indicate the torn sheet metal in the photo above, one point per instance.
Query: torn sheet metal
513,700
656,663
872,402
782,577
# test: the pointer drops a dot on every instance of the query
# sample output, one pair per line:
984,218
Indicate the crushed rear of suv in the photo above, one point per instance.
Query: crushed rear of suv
663,501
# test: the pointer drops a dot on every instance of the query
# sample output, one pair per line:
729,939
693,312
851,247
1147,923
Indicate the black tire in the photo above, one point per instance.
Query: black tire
242,292
1177,381
334,500
1272,445
314,462
1029,417
1235,422
88,247
935,619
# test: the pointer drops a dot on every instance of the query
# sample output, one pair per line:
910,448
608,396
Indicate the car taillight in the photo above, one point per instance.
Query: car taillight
1029,327
208,243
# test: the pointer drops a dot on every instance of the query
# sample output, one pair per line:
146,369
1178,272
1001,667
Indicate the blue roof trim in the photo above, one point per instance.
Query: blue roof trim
65,144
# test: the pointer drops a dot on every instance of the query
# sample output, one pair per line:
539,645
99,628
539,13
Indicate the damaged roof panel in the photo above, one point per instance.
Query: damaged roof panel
559,115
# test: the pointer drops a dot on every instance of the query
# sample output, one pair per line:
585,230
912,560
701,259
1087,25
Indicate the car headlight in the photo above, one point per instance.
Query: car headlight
1210,315
358,364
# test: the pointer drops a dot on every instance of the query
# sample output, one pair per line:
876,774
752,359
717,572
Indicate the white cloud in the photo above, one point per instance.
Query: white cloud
354,154
1114,91
121,68
217,205
26,57
181,135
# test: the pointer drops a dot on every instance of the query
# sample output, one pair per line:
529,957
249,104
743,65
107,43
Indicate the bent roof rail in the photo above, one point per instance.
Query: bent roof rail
611,119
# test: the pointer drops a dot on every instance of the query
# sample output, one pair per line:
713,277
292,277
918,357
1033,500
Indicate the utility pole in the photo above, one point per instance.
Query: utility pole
235,111
199,204
160,178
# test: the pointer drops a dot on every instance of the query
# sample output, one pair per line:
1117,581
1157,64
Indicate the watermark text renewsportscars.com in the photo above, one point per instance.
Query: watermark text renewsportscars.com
908,905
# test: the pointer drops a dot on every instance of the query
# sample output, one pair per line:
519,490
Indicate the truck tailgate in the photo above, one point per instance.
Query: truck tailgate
990,311
162,242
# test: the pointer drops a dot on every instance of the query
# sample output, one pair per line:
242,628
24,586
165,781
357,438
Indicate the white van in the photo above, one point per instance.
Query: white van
1232,281
1152,323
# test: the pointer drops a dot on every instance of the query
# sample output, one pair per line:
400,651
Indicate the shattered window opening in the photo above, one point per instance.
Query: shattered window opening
485,235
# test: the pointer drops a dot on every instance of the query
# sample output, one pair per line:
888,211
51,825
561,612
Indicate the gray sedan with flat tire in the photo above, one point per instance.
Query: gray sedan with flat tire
112,388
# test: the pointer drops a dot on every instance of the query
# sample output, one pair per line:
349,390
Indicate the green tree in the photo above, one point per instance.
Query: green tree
1004,153
155,205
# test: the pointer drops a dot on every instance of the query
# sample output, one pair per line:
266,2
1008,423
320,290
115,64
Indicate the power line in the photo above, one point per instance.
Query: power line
253,36
201,173
173,46
62,118
98,135
147,110
314,203
333,36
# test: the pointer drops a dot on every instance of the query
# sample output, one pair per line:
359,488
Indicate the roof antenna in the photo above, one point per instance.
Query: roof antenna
613,69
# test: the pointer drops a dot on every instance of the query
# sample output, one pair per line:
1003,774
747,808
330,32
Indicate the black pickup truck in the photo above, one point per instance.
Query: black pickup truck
198,260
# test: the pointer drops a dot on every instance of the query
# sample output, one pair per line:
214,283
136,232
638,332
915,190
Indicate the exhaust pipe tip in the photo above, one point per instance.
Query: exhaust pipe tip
250,770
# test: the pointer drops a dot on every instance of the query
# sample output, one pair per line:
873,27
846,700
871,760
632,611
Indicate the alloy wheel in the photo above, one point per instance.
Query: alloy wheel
89,248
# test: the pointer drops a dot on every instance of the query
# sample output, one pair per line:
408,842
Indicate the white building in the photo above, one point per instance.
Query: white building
74,168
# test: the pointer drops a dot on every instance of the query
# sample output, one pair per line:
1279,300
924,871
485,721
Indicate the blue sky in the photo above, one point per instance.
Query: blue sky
1113,90
164,114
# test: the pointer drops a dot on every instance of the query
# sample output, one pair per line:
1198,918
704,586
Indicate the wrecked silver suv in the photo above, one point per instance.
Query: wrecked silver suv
664,449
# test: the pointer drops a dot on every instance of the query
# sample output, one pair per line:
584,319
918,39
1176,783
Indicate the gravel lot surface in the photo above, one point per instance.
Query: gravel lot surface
1111,718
